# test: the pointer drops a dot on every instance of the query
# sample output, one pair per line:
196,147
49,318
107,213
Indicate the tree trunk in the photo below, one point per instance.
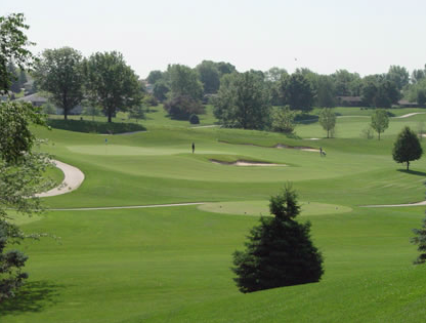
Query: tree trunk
408,165
109,115
65,114
379,135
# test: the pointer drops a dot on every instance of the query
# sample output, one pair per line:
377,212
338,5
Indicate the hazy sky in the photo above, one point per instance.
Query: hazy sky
359,35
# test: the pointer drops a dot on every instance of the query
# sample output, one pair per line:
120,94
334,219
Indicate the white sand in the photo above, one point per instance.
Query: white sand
73,178
246,163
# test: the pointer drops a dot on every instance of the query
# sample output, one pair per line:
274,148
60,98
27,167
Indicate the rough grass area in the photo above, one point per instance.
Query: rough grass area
95,126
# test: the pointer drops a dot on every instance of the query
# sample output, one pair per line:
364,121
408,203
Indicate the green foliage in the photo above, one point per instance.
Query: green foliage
160,90
48,108
94,126
279,251
379,121
327,120
13,48
137,112
184,82
11,261
193,119
297,92
283,120
209,76
181,107
60,72
407,147
325,91
150,100
242,101
378,91
111,83
155,76
399,76
21,173
346,83
420,240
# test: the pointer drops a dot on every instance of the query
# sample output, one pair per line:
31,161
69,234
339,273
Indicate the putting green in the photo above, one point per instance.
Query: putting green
256,208
120,150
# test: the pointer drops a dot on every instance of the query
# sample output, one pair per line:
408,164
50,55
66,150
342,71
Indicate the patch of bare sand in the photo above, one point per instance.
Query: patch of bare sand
245,163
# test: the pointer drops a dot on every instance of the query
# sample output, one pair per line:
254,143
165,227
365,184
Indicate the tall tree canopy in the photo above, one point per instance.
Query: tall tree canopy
242,101
184,81
60,72
209,76
21,169
112,83
297,92
13,48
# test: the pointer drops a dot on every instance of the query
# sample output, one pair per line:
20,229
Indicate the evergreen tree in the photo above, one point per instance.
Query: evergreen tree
420,240
279,251
407,147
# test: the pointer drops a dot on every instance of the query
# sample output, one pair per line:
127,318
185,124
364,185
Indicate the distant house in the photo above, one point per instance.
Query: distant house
407,104
349,101
34,99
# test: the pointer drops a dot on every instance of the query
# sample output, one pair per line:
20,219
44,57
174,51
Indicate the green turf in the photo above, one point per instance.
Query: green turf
172,264
256,208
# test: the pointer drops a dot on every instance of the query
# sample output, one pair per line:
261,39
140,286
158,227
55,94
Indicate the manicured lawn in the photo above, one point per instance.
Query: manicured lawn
172,264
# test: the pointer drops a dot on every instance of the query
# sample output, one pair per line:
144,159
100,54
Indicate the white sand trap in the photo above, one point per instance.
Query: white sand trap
281,146
314,139
73,178
245,163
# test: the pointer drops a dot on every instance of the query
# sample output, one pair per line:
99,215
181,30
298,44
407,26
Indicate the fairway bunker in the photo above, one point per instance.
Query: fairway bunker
246,163
302,148
257,208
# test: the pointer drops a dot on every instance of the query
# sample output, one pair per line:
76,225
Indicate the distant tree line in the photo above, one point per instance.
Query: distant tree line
245,99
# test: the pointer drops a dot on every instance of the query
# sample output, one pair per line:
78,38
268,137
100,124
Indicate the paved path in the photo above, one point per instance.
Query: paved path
126,207
73,178
397,205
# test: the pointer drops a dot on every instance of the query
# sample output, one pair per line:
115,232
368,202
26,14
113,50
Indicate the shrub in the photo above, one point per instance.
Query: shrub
193,119
182,106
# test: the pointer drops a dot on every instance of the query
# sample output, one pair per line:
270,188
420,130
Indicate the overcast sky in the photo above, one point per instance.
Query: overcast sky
364,36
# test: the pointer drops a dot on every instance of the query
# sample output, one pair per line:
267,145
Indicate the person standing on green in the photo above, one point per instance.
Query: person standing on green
193,147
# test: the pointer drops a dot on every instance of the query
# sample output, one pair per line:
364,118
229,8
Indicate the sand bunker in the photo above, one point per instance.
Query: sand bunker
245,163
302,148
73,178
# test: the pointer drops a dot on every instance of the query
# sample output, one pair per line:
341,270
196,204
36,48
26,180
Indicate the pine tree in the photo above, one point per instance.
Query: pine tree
407,147
279,251
420,240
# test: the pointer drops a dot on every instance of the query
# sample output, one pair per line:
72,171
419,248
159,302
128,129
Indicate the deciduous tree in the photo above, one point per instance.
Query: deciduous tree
327,119
112,83
407,147
380,121
60,72
298,93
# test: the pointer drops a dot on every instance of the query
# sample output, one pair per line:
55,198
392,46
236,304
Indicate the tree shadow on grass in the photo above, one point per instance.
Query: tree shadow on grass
412,172
33,297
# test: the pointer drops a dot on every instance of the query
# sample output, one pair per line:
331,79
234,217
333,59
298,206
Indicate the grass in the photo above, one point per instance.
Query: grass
173,264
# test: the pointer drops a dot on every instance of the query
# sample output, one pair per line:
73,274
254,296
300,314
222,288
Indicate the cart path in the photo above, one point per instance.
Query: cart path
73,178
127,207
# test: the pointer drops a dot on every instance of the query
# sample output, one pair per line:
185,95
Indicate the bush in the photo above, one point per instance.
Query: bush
279,251
193,119
182,106
94,126
283,120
